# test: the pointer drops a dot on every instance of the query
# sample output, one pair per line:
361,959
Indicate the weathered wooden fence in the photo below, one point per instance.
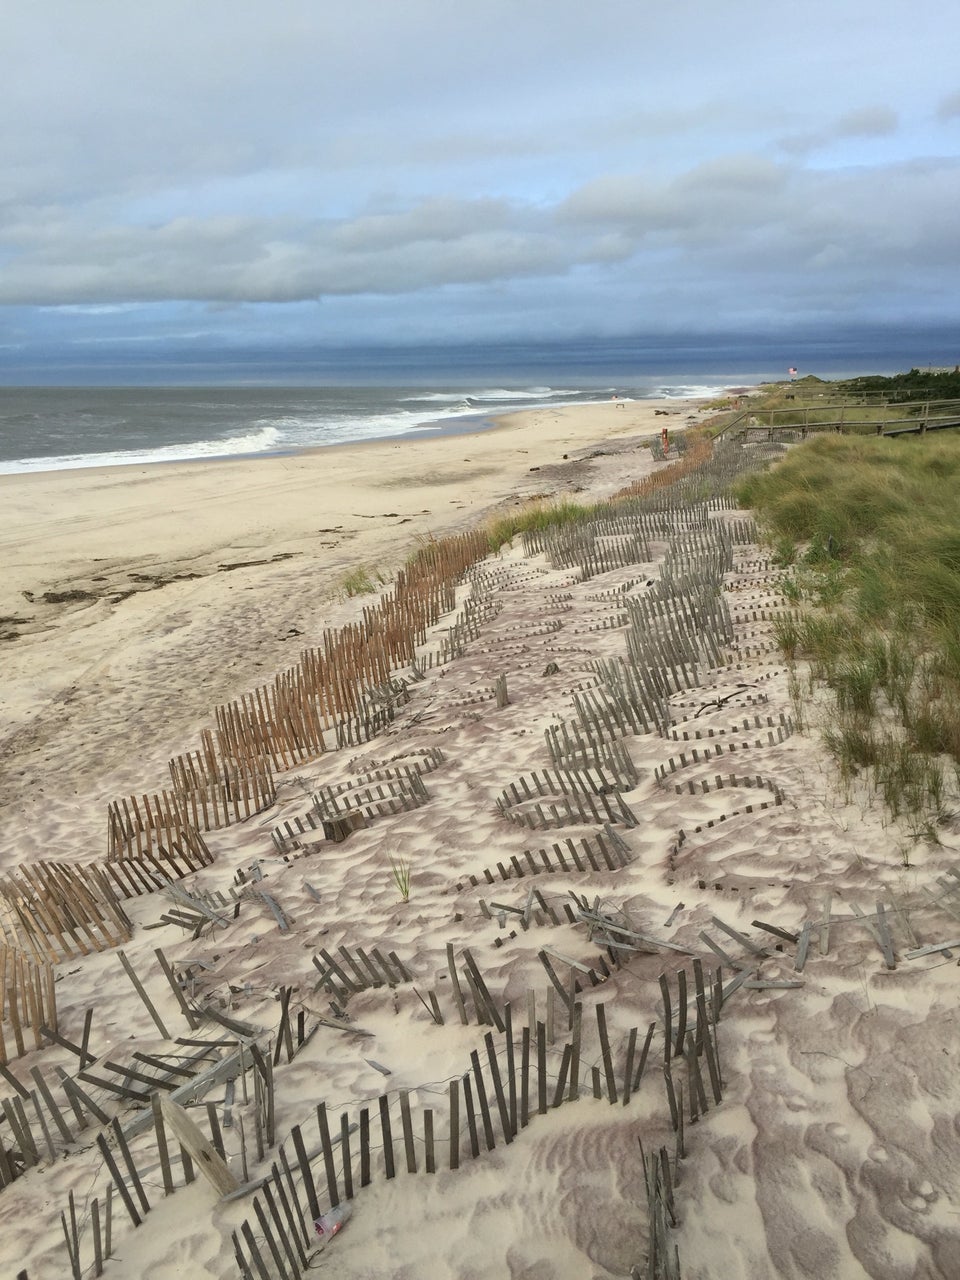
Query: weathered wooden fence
509,1083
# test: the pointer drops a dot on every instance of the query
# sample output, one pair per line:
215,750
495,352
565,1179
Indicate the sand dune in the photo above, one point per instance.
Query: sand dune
833,1152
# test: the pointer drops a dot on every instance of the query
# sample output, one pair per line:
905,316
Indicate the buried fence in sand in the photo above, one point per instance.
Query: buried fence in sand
672,671
152,838
519,1075
493,1102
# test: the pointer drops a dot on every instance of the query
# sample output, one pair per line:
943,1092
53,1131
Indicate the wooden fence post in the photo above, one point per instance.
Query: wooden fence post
454,1124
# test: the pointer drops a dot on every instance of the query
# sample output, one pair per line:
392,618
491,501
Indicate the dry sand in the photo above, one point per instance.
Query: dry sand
192,582
834,1153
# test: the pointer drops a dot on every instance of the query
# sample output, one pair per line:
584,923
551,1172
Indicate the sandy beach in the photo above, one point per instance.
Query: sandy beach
178,586
467,1057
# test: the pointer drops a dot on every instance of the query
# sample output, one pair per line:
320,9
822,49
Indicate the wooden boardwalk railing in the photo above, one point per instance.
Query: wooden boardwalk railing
927,415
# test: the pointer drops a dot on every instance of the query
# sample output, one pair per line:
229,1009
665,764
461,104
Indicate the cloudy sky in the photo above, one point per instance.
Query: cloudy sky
220,174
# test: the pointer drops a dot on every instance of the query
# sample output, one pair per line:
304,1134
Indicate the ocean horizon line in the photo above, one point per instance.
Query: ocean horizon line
828,352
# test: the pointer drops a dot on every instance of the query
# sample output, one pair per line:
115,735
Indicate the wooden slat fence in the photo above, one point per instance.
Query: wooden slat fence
212,793
28,1002
56,911
507,1085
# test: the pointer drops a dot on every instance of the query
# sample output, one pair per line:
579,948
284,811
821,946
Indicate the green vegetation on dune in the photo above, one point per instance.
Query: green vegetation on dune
361,581
837,491
869,532
538,516
856,406
918,384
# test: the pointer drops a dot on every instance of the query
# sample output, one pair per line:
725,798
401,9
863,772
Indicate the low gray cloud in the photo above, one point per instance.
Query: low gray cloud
864,122
543,164
741,216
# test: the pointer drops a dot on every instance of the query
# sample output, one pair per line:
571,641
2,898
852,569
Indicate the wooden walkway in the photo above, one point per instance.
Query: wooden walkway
927,415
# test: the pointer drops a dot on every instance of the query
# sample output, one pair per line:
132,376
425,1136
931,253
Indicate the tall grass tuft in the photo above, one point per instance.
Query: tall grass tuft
852,745
360,581
911,784
855,685
824,640
401,877
786,632
537,516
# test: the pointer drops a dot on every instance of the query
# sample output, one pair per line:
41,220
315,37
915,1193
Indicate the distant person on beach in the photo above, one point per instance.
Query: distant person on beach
617,401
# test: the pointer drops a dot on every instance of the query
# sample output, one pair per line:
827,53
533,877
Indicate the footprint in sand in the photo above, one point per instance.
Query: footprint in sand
921,1194
762,1037
916,1203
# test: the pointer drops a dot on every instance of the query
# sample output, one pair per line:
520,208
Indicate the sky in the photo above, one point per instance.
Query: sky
235,175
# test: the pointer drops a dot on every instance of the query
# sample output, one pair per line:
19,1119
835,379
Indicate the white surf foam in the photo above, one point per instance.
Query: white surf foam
264,440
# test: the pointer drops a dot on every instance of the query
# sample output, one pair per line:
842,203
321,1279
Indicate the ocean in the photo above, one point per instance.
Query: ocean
56,428
192,406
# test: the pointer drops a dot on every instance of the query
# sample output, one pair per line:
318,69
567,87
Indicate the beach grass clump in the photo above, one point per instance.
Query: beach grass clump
911,783
871,588
798,701
932,730
361,581
401,871
823,639
852,745
855,684
536,517
933,568
830,585
898,672
786,632
831,491
784,552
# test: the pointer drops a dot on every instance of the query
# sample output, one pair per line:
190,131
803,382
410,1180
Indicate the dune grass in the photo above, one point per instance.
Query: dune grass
362,581
694,448
869,530
400,869
538,515
857,405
